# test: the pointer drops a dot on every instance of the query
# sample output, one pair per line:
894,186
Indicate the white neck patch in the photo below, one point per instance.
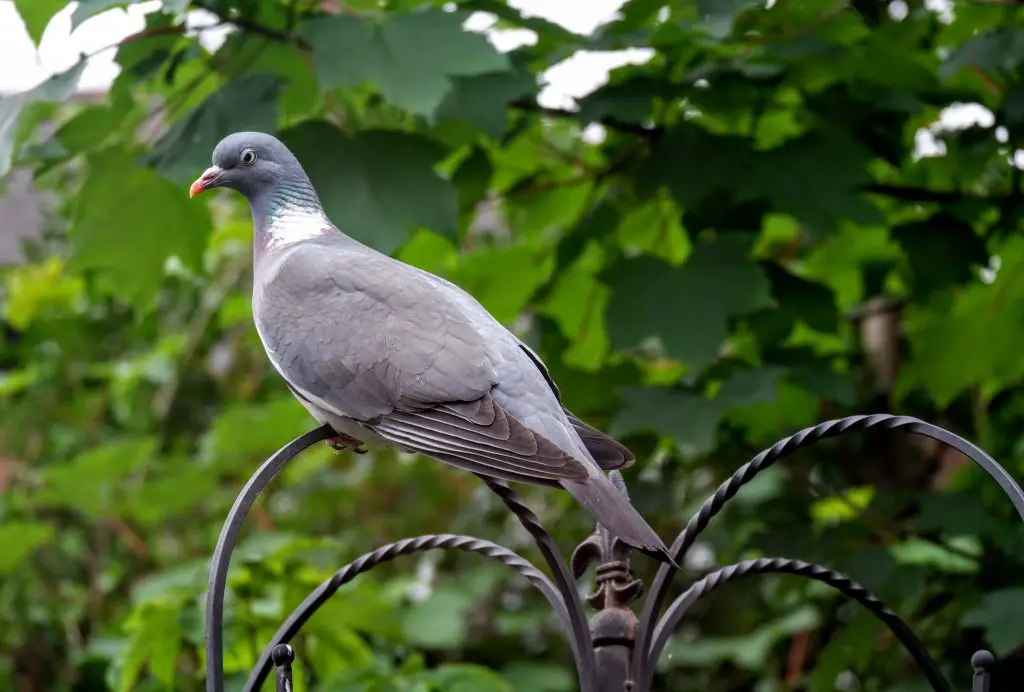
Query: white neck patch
291,223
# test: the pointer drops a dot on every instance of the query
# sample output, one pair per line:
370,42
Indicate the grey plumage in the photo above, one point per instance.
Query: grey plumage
385,352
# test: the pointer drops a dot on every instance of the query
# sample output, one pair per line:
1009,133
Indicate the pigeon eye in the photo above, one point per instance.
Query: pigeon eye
248,157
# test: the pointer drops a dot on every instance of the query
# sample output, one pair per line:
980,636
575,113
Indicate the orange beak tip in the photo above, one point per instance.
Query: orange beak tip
208,178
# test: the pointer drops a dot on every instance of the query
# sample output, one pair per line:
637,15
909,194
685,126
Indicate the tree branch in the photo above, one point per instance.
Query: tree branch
650,133
144,34
256,28
920,194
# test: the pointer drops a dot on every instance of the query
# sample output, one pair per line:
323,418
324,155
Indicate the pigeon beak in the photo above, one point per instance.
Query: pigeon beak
207,180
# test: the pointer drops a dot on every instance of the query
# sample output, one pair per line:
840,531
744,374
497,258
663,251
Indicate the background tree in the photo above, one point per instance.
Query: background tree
747,240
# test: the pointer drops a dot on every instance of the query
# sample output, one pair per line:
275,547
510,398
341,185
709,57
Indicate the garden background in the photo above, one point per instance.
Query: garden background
774,214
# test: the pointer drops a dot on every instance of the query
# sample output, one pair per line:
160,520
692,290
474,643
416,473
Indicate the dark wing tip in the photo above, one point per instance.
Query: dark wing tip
609,453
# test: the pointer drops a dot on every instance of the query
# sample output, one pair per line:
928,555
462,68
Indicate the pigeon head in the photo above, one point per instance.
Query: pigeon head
252,163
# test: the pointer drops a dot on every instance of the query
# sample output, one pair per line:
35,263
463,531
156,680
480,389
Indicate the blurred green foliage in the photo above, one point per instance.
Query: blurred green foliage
747,240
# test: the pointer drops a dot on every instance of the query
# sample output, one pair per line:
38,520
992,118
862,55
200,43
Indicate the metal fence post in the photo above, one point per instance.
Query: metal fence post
613,626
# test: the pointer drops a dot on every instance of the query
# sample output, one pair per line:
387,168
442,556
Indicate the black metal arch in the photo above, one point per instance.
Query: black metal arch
226,544
564,597
389,552
833,428
779,565
616,650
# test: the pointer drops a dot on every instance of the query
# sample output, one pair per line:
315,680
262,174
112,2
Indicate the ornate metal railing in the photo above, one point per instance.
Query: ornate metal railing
613,650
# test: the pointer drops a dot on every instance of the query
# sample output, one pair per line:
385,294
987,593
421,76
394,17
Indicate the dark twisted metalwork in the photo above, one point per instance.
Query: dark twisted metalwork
583,647
389,552
841,583
567,603
746,473
615,651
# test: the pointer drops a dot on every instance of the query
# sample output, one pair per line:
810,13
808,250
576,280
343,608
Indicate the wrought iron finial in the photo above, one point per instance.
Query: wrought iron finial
283,656
613,626
615,585
982,662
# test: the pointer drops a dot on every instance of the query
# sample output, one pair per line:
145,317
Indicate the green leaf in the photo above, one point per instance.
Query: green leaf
817,376
748,387
363,607
539,677
18,539
795,299
411,58
439,621
832,510
154,639
630,100
502,278
92,481
55,89
128,221
917,551
174,492
717,16
651,298
37,14
539,213
377,186
92,126
1000,615
175,585
466,677
255,55
577,302
789,408
472,179
654,229
850,648
747,651
243,104
252,430
949,514
16,381
687,418
941,251
38,291
947,339
482,100
690,184
997,50
836,187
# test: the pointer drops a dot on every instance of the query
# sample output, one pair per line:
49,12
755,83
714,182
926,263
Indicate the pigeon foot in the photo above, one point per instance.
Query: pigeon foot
341,442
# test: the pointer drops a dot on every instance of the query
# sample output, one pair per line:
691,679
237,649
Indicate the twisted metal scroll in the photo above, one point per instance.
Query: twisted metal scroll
564,598
583,645
713,505
779,565
386,553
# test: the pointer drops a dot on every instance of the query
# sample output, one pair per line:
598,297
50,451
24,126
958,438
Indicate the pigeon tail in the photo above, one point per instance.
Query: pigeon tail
614,511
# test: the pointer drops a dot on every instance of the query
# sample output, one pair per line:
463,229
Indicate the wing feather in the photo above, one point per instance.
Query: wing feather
520,452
